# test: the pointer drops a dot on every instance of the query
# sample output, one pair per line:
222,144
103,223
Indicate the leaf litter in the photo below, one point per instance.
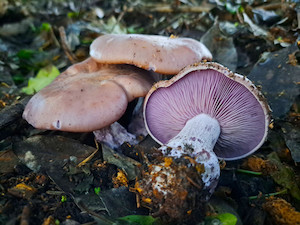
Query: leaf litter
258,39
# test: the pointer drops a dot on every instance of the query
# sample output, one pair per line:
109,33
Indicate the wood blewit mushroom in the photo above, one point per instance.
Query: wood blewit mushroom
204,112
94,93
165,55
87,96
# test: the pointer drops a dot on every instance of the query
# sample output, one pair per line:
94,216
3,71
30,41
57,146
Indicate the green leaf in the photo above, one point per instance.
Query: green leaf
138,219
232,8
241,9
63,198
221,219
135,30
25,54
97,190
86,41
73,15
18,78
227,218
45,27
44,77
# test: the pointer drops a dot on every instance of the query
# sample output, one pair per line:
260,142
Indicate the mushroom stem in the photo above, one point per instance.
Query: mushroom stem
197,139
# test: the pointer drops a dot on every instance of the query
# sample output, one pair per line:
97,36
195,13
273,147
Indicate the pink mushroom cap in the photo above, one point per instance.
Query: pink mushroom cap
165,55
210,88
87,96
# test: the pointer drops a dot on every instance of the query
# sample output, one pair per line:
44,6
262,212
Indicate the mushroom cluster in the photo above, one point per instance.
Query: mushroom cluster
95,93
204,113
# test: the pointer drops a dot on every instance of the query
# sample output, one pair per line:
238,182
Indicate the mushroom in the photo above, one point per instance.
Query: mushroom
93,94
87,96
165,55
204,112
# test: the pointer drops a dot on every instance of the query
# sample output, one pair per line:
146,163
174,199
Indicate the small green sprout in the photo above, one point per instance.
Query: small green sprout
241,9
279,38
73,15
45,27
97,190
63,198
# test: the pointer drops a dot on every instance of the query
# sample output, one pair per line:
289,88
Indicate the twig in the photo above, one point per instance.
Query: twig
24,220
73,59
90,156
118,20
284,191
271,6
249,172
183,9
194,183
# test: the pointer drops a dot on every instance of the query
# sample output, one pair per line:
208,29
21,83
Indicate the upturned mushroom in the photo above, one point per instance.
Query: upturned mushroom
204,112
93,94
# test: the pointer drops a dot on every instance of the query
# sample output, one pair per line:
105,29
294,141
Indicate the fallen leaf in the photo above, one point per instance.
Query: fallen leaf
138,219
44,77
127,164
278,79
284,175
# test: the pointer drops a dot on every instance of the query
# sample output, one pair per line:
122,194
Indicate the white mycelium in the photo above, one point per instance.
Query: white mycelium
197,139
162,178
